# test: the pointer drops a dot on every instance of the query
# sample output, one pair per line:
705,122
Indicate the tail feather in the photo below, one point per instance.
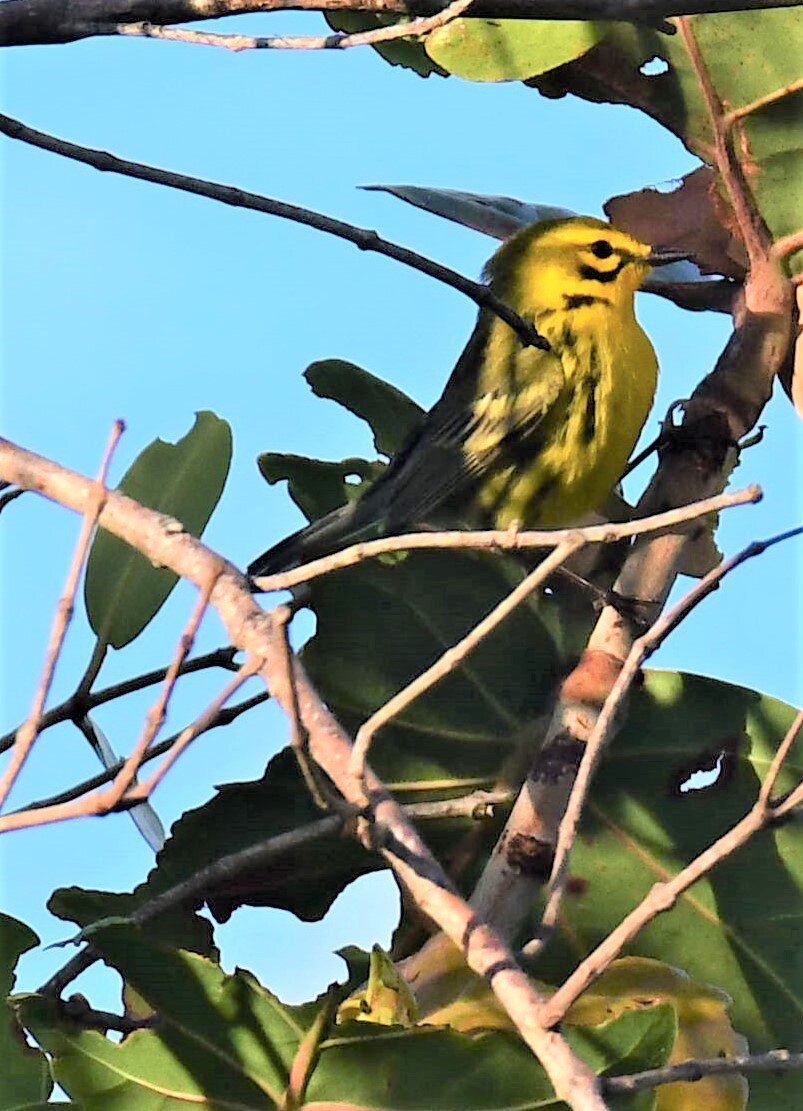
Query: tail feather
321,538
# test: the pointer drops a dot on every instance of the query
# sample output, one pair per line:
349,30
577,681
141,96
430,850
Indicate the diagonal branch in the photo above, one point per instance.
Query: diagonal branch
363,238
388,830
30,729
663,896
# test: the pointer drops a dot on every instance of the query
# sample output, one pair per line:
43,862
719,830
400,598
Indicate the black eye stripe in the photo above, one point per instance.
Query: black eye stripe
601,249
590,274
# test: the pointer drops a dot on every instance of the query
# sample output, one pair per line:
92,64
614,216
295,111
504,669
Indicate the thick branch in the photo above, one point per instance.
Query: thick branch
30,22
388,830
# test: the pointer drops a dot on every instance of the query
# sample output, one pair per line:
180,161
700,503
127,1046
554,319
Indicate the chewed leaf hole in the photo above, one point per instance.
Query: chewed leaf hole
654,67
709,769
700,780
353,479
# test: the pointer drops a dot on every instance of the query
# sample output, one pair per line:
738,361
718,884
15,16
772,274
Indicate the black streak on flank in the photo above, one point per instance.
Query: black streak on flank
590,384
582,300
567,338
591,274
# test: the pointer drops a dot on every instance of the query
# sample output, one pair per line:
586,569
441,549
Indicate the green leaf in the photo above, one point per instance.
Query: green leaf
123,590
392,415
407,52
25,1075
431,1068
222,1040
509,49
748,56
316,485
738,927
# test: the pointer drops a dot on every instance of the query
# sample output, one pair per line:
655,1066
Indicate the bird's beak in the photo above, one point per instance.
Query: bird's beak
662,256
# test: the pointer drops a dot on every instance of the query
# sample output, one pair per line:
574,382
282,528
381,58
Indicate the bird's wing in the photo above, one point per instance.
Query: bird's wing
461,441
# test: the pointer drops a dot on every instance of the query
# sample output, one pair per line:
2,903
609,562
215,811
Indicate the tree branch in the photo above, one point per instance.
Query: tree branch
363,238
30,22
776,1060
253,631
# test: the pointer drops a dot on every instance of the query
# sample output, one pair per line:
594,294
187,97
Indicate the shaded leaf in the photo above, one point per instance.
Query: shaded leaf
316,485
509,49
221,1040
25,1075
392,415
407,52
123,590
737,927
689,218
749,56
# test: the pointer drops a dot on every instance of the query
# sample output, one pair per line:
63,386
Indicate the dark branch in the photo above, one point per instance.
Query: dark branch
363,238
79,705
29,22
223,717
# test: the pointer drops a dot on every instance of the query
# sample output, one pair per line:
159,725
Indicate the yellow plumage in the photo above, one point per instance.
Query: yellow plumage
521,435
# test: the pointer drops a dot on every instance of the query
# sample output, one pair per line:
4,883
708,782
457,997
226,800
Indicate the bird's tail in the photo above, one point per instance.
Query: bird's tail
321,538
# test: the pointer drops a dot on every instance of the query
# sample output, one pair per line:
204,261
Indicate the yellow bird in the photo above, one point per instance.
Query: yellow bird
520,435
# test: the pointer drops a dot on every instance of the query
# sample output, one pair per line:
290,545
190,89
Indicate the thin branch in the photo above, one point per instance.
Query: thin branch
366,240
337,41
454,656
252,631
144,789
221,718
29,730
776,1060
663,896
155,717
730,118
103,801
204,884
751,228
644,647
506,540
320,792
78,706
29,22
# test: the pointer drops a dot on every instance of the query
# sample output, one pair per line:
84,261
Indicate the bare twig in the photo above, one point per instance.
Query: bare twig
321,793
643,648
40,21
776,1060
253,631
366,240
505,540
77,706
200,725
454,656
221,718
337,41
29,730
663,896
206,882
101,802
155,717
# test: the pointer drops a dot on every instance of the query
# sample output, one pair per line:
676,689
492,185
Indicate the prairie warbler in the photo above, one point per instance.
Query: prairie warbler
520,435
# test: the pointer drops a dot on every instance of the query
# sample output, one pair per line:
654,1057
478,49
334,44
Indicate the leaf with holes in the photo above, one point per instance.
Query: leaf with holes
651,813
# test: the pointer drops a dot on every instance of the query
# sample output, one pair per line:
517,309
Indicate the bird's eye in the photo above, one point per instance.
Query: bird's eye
601,249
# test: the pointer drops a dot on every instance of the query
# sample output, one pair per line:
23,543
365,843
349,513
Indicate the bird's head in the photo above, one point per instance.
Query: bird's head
560,264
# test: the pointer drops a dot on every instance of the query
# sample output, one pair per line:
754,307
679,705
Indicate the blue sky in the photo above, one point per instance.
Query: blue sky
123,299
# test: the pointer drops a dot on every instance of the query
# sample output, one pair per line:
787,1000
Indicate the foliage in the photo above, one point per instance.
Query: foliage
718,968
